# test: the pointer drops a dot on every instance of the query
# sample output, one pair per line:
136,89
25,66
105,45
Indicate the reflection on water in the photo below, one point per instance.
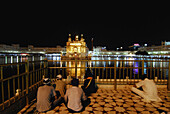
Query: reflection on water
123,62
80,68
7,59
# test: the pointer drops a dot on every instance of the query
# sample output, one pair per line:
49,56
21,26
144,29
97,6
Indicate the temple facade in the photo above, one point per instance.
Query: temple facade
76,48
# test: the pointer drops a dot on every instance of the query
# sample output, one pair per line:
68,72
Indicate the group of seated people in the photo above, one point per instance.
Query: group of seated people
50,96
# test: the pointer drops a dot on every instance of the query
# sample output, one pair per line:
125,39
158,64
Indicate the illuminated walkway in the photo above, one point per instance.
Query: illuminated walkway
109,101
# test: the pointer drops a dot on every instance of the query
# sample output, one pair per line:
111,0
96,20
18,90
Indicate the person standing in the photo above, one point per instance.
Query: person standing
74,97
46,96
149,92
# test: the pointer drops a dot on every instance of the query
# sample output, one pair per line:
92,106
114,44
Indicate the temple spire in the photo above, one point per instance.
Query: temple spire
76,38
69,38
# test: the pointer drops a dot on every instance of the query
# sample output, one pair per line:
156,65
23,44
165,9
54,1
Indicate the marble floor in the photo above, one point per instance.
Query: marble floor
120,101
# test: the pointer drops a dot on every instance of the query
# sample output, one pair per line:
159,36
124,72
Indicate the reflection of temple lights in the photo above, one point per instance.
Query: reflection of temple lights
80,70
135,70
54,58
89,63
109,58
41,58
21,59
32,58
17,59
130,61
11,59
61,64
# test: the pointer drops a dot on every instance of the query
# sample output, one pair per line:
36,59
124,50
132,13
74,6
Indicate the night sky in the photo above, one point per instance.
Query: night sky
119,31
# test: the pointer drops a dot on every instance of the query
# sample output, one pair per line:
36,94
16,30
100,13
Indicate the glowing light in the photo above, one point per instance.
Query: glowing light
136,45
24,54
11,59
75,44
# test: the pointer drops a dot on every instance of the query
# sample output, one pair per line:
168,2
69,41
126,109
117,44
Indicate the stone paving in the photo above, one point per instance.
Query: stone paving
120,101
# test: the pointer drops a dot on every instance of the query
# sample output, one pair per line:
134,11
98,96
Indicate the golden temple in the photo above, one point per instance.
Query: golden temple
76,48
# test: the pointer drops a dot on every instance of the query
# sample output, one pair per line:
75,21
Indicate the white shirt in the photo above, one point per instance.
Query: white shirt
73,96
150,89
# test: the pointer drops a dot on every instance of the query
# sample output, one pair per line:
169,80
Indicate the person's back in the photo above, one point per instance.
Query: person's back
150,90
74,97
61,87
89,85
44,98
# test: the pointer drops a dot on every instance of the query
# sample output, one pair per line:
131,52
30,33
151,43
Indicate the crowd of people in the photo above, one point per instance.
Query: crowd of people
76,99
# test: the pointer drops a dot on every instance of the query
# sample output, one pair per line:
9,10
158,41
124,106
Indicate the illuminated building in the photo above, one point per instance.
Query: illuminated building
163,49
76,48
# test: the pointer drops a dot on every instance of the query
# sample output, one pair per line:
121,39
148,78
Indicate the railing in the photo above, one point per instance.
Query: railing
118,72
27,76
23,77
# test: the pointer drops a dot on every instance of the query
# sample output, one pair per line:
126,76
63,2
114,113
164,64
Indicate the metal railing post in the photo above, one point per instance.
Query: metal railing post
45,67
168,84
27,81
18,75
142,67
76,67
2,87
115,80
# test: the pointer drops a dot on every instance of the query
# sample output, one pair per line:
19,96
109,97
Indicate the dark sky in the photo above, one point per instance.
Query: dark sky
45,31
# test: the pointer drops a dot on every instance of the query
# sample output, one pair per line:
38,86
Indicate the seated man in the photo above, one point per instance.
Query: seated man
46,95
149,92
60,88
74,97
89,84
60,85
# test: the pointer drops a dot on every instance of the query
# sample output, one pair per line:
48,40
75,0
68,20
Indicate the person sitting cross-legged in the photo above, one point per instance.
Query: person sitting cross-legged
60,88
89,84
46,96
74,97
149,92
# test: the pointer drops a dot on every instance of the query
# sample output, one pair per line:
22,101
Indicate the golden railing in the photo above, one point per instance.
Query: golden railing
23,77
158,70
28,75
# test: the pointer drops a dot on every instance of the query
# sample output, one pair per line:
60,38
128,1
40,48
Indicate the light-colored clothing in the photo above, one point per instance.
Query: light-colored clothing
149,92
73,96
61,87
44,98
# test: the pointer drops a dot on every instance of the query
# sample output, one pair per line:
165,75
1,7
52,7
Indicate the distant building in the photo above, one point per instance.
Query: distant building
15,48
163,49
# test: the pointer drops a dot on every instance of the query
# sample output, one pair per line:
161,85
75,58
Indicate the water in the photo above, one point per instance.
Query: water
125,66
6,59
